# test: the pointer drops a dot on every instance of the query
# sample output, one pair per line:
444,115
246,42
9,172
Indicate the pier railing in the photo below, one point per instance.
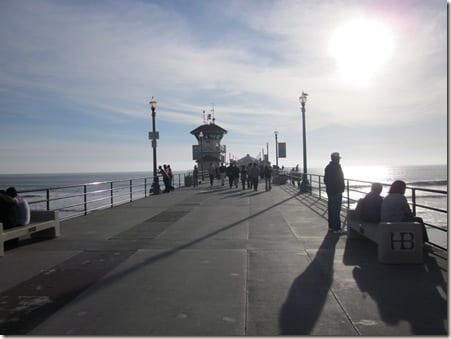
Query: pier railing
76,200
429,204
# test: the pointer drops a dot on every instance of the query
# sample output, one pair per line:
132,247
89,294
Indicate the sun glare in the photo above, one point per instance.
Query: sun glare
361,47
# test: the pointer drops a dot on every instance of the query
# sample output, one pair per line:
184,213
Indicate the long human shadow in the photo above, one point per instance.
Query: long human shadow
402,292
308,293
167,253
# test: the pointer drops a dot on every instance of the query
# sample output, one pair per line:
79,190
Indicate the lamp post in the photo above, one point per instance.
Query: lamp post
154,136
305,185
267,152
277,149
201,138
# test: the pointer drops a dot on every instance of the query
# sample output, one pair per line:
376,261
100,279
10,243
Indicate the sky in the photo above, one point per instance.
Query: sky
76,78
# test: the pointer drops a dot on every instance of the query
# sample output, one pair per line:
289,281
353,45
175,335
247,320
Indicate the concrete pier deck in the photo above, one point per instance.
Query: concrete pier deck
217,262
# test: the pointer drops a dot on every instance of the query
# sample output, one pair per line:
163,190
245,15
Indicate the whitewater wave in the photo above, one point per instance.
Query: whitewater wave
429,183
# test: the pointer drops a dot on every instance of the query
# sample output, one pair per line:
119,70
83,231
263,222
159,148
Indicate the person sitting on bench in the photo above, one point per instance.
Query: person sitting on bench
14,210
369,208
395,207
8,210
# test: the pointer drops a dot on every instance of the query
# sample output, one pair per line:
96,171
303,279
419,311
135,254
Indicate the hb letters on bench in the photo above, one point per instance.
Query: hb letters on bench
397,242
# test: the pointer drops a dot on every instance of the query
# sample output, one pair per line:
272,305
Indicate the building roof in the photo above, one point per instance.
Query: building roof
208,129
246,160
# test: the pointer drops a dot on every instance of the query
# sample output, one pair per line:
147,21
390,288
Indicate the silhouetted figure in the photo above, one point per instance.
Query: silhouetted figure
395,207
268,175
170,177
164,174
254,173
195,177
243,174
222,173
335,186
212,173
14,210
236,174
369,208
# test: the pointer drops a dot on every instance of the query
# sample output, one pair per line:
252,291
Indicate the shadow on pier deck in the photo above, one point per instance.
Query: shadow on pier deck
216,261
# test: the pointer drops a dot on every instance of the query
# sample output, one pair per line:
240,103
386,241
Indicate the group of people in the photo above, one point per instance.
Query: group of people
393,208
249,176
14,210
372,208
166,173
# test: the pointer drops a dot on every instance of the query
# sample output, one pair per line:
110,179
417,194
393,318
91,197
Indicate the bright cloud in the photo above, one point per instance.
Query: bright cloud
90,69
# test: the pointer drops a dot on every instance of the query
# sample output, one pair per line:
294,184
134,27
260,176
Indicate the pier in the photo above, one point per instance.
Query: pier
215,261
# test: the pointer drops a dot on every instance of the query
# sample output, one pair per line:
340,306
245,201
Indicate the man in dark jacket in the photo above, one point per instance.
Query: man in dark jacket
369,208
335,186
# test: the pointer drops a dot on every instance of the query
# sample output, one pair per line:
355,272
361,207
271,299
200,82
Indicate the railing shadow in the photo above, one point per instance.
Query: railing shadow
309,291
402,292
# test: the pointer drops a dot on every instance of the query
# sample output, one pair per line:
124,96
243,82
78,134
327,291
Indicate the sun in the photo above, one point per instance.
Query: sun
361,47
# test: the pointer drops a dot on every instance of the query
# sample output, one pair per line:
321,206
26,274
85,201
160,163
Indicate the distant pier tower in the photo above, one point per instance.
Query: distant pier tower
208,149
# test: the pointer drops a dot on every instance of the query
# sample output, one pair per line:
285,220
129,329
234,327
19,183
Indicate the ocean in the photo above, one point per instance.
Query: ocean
432,176
423,178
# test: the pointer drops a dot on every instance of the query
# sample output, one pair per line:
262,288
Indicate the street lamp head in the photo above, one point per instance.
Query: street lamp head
303,98
153,104
276,132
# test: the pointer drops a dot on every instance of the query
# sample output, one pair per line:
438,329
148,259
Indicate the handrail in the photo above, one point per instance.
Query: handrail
354,190
75,200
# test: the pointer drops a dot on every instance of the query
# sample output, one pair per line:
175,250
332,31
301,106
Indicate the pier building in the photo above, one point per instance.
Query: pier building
209,149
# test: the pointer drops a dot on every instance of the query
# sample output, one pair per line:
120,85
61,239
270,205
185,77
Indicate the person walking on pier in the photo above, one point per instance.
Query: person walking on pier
254,173
243,173
222,173
249,180
212,173
236,174
268,174
195,176
335,186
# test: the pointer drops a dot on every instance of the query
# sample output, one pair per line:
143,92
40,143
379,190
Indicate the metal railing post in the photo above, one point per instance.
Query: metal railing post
319,187
347,189
47,197
414,202
111,194
145,187
85,199
131,190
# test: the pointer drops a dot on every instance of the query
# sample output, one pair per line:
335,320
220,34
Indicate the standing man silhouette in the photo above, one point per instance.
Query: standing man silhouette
335,186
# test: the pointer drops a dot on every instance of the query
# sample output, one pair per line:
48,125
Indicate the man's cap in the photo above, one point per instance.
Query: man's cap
335,155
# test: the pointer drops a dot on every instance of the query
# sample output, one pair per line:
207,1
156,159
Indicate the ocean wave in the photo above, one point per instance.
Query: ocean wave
429,183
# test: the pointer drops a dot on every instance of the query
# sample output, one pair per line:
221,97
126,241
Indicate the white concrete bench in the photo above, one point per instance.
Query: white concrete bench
397,242
43,224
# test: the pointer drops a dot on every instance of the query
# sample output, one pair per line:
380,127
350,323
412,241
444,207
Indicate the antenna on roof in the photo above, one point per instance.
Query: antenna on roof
203,117
213,112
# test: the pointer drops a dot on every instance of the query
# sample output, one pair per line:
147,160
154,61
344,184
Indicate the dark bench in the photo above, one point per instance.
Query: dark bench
397,242
43,224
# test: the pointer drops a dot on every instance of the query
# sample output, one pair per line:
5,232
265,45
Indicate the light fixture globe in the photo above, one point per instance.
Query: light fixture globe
303,98
153,104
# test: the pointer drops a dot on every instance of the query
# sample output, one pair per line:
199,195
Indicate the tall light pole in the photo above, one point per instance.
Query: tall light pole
305,185
201,138
277,149
154,136
267,152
